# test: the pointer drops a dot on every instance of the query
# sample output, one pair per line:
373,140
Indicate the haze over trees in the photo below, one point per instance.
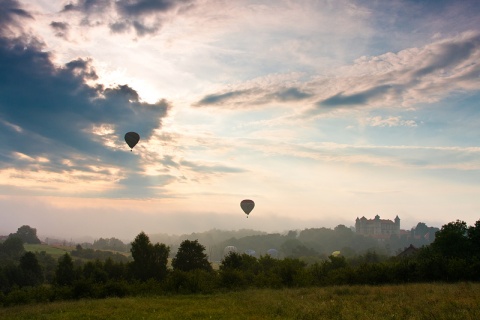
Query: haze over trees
454,255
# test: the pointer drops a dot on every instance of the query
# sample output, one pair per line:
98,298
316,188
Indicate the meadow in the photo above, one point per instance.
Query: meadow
54,251
409,301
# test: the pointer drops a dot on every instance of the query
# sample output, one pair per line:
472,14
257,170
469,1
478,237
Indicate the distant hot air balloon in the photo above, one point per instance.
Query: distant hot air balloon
247,206
131,138
273,253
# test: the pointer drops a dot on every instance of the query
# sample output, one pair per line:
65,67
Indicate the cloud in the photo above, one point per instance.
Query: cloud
410,77
392,121
291,94
59,114
405,79
11,15
143,16
251,97
204,168
61,29
341,99
141,186
215,99
145,7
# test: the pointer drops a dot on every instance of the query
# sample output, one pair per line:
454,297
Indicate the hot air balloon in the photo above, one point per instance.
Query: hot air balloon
132,138
273,253
247,206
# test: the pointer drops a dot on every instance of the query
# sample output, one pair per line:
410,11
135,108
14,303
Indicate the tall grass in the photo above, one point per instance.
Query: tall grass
411,301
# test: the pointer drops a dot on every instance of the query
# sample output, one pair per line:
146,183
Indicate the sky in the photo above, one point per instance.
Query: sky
319,111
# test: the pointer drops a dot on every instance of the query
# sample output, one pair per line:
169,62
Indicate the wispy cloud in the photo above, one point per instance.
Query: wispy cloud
391,121
404,79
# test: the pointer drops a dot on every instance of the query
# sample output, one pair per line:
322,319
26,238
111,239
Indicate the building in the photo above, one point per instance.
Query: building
408,252
377,228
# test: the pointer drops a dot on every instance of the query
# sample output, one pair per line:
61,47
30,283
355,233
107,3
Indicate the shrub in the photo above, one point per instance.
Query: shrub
115,289
17,297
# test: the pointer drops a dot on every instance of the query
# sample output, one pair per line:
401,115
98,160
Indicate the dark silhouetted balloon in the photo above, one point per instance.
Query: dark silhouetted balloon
247,206
132,138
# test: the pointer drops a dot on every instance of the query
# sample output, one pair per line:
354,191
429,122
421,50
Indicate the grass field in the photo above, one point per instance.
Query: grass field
413,301
55,251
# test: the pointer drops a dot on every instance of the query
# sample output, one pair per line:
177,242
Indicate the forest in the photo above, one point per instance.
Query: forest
312,257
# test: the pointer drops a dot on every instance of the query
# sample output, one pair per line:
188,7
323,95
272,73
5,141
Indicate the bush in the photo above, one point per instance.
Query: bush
195,281
115,289
84,289
232,279
17,297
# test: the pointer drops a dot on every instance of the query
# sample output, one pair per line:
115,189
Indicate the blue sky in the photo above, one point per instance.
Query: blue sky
320,111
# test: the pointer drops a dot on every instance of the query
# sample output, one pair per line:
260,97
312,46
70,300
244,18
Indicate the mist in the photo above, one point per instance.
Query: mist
89,223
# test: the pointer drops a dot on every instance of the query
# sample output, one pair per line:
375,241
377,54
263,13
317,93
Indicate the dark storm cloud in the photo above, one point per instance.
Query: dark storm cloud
50,112
130,14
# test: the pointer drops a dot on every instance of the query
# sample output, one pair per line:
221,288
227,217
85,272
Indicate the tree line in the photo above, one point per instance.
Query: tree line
36,277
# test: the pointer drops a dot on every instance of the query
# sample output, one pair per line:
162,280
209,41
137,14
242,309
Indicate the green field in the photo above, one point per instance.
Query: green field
55,251
412,301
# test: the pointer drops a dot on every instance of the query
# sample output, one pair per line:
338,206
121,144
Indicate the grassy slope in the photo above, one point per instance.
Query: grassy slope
55,251
413,301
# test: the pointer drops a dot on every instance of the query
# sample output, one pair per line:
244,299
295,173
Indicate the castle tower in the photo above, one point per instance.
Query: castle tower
397,225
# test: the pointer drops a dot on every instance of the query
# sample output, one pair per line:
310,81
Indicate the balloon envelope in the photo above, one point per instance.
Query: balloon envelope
336,253
132,138
247,206
272,253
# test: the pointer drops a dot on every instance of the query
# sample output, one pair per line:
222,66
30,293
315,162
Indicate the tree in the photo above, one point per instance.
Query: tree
110,244
65,274
11,249
452,241
474,238
191,256
27,234
31,269
149,261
